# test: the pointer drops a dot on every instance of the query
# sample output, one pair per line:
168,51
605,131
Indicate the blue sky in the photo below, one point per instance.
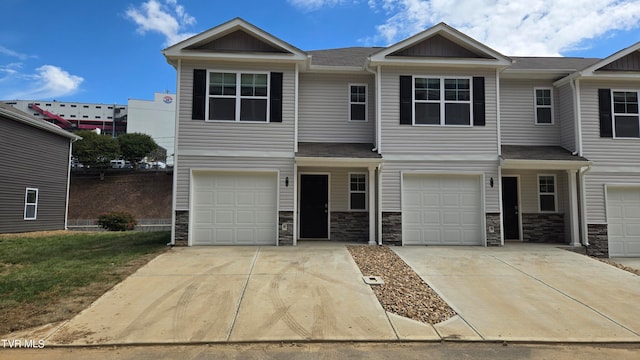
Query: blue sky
110,51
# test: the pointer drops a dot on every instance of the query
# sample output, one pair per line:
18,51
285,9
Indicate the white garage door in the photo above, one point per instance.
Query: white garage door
234,208
441,210
623,217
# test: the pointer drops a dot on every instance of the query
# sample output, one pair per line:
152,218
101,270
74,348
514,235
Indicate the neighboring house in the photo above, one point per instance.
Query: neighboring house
435,140
34,181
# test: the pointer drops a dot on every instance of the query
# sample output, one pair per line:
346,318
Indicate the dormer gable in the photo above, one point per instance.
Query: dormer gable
440,45
623,65
238,41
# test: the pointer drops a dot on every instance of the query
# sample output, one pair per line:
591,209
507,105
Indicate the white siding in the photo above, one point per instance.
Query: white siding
186,163
595,192
566,117
229,136
604,151
436,140
324,109
528,187
391,179
517,114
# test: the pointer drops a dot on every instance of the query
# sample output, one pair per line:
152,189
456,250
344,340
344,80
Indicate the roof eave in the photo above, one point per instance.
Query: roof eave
443,62
39,124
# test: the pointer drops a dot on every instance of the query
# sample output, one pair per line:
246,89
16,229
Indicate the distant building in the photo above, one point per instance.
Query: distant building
77,116
155,118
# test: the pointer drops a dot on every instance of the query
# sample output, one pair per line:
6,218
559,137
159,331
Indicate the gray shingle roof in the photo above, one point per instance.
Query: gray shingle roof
337,150
520,152
570,64
9,112
350,56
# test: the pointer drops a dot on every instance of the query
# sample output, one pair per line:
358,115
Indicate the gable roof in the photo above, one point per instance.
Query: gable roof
9,112
440,45
342,57
234,40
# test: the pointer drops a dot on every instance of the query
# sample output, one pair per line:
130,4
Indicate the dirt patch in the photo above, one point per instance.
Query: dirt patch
403,293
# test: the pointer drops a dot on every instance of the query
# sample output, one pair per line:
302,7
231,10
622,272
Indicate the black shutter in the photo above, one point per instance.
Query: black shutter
276,97
478,101
199,94
604,107
406,100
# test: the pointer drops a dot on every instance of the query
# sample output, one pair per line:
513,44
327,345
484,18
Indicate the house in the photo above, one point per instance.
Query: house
34,181
435,140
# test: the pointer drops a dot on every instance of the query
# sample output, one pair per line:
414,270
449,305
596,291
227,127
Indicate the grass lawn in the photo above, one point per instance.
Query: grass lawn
52,276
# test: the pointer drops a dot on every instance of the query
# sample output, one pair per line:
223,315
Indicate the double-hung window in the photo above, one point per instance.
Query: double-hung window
238,96
544,106
442,101
357,191
31,204
357,102
547,193
625,114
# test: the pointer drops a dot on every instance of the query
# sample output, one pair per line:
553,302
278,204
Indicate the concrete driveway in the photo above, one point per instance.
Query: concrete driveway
532,292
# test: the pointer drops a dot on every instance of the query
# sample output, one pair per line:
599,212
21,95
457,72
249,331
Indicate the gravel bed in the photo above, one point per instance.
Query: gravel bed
620,266
403,293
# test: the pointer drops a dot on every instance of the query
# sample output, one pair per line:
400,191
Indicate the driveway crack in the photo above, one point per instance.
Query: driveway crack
235,316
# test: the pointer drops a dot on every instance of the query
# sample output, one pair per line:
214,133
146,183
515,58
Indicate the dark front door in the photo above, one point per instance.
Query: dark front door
314,206
510,208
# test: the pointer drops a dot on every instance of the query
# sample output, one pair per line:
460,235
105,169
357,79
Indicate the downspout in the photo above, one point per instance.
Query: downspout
66,211
295,109
379,199
176,168
498,122
583,207
376,72
575,87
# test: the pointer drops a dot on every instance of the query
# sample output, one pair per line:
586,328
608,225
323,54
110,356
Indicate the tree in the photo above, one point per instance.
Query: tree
95,151
135,146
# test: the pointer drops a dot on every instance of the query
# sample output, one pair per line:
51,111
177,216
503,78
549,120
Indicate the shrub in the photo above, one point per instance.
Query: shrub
117,221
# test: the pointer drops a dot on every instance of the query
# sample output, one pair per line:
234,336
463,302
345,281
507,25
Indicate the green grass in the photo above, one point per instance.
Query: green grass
49,271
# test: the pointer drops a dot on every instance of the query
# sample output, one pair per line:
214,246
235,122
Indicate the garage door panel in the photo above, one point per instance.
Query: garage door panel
623,221
234,208
441,210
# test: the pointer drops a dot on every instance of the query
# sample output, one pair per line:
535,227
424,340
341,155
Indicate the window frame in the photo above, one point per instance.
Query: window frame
442,101
238,96
365,191
366,102
554,193
614,113
34,204
536,106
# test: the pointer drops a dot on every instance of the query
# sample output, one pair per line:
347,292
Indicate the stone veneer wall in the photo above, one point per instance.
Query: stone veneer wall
350,226
182,228
598,240
285,237
392,228
543,228
493,220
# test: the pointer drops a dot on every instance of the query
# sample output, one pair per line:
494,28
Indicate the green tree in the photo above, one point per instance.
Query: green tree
135,146
95,151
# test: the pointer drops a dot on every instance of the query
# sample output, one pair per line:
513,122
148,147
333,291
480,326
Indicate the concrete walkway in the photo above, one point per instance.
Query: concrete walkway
532,292
315,291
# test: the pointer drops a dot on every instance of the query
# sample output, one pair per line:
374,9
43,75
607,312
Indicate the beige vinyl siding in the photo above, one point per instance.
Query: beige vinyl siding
188,163
391,179
517,114
605,151
528,188
595,192
235,136
435,140
566,117
338,183
324,109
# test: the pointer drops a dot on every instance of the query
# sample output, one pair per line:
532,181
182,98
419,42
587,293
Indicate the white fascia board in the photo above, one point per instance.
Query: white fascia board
443,62
606,61
201,55
449,157
337,162
542,164
340,69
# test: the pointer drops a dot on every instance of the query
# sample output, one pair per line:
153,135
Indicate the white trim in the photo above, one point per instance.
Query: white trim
328,174
336,162
366,102
238,96
379,202
500,202
498,117
366,191
34,204
415,157
238,153
442,101
573,211
379,111
519,195
578,110
536,106
614,114
555,194
176,167
521,164
295,204
296,107
66,200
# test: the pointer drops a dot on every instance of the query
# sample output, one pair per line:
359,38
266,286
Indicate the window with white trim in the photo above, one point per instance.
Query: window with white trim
442,101
547,193
357,102
626,122
544,106
357,191
238,96
31,204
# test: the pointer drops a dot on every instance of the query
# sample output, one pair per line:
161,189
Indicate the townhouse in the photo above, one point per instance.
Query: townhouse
435,140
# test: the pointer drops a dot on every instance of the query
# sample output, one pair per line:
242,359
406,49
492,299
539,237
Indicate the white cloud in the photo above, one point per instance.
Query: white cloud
12,53
310,5
47,82
167,18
